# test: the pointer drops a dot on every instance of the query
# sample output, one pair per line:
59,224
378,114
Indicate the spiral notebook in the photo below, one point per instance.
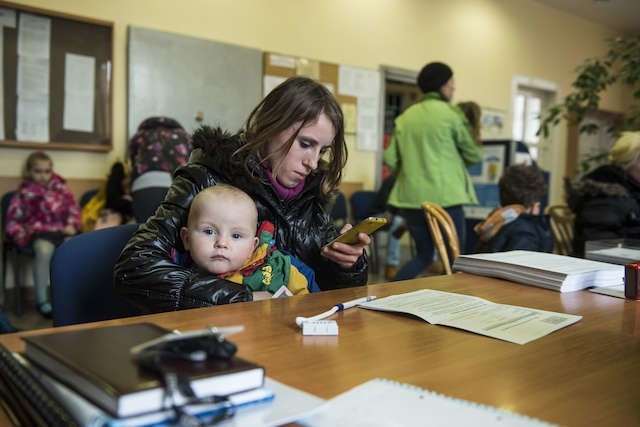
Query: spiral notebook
380,402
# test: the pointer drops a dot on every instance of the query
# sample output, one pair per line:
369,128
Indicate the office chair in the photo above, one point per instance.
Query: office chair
339,210
562,227
362,206
15,252
82,277
439,221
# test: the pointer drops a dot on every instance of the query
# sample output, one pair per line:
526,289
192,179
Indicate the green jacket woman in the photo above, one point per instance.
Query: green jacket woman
429,152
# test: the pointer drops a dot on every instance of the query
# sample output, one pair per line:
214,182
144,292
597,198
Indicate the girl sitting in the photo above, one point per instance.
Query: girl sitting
42,213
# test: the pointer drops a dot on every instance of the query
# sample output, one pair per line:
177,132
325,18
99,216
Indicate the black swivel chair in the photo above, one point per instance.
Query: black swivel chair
82,277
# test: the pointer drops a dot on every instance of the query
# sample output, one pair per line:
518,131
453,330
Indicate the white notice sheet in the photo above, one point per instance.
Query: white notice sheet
79,92
511,323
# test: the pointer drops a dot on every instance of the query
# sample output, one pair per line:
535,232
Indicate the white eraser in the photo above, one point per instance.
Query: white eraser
320,327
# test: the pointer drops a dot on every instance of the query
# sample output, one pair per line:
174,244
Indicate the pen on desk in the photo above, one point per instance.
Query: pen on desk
338,307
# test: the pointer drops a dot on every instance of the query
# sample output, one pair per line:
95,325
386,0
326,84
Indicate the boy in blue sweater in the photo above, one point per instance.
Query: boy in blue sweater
518,224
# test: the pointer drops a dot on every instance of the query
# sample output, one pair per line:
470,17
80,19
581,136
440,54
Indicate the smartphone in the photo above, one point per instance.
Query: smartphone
367,226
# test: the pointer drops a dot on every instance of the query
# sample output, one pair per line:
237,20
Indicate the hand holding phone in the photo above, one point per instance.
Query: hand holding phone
367,226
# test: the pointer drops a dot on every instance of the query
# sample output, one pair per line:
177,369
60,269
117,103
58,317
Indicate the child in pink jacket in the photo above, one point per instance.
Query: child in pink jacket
42,213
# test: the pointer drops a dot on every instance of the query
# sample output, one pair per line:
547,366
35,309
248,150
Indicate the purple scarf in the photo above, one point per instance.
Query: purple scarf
284,192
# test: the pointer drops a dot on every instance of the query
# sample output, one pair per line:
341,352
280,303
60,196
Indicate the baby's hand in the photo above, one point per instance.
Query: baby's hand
258,295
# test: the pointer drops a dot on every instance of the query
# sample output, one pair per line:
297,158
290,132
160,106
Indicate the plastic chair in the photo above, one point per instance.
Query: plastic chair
362,206
339,210
439,221
15,252
562,227
82,277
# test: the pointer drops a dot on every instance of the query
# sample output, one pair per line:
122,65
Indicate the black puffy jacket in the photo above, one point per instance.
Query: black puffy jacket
606,204
145,272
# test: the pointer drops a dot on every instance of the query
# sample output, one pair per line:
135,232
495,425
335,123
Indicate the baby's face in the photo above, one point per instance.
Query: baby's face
221,237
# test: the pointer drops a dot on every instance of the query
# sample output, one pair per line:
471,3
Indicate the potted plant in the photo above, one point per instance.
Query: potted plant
620,64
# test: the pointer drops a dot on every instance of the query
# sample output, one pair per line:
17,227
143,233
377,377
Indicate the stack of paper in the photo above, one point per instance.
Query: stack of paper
617,255
551,271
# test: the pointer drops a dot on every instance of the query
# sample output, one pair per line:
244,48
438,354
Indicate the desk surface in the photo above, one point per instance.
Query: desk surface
585,374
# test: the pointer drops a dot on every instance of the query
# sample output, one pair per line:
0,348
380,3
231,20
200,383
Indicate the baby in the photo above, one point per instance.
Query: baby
221,239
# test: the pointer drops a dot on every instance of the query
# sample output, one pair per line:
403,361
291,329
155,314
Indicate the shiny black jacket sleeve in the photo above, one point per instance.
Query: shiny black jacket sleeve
145,273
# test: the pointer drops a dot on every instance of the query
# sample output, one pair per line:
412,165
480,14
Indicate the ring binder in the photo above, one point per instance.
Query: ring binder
34,405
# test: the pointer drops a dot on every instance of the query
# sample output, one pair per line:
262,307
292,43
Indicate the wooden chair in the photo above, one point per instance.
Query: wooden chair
561,220
439,222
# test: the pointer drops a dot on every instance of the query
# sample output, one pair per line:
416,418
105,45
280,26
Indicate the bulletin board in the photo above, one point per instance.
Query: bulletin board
358,90
56,80
279,67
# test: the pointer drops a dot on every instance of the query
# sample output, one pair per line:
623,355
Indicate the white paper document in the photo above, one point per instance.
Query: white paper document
79,92
511,323
34,36
381,402
32,118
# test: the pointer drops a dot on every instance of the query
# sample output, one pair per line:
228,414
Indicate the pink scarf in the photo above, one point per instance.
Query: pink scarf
284,192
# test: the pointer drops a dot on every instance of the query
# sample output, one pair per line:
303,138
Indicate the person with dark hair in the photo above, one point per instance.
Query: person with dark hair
289,159
429,152
112,205
42,214
518,224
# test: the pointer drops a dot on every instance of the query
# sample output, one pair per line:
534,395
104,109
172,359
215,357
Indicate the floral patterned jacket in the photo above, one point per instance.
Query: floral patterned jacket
35,208
160,144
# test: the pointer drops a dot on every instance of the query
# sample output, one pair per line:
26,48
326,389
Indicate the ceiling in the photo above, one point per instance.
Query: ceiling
620,15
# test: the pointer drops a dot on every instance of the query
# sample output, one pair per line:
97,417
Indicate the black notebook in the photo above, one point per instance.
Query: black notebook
97,364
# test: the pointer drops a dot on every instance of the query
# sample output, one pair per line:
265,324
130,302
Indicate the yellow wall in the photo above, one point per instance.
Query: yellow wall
486,42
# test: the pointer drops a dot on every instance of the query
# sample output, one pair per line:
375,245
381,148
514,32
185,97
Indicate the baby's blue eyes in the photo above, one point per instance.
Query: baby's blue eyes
212,232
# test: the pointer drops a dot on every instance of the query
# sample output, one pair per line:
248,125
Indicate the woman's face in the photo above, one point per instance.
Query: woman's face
312,142
447,90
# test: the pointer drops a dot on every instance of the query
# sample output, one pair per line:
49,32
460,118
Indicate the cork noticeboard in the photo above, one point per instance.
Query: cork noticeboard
287,66
57,80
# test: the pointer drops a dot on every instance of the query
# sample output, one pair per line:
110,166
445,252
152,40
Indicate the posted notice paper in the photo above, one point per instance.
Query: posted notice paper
511,323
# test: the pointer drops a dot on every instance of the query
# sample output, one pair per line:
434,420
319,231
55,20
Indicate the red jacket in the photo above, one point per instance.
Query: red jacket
35,207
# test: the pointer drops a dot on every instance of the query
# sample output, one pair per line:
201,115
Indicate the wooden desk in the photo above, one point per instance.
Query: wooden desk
586,374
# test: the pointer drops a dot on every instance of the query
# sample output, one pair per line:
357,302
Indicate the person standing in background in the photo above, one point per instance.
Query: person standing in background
429,152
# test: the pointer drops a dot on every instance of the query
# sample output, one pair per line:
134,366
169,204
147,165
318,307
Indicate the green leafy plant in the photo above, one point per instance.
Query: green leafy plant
620,64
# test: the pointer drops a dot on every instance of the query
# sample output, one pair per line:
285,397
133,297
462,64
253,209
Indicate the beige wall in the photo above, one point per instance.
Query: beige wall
487,43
